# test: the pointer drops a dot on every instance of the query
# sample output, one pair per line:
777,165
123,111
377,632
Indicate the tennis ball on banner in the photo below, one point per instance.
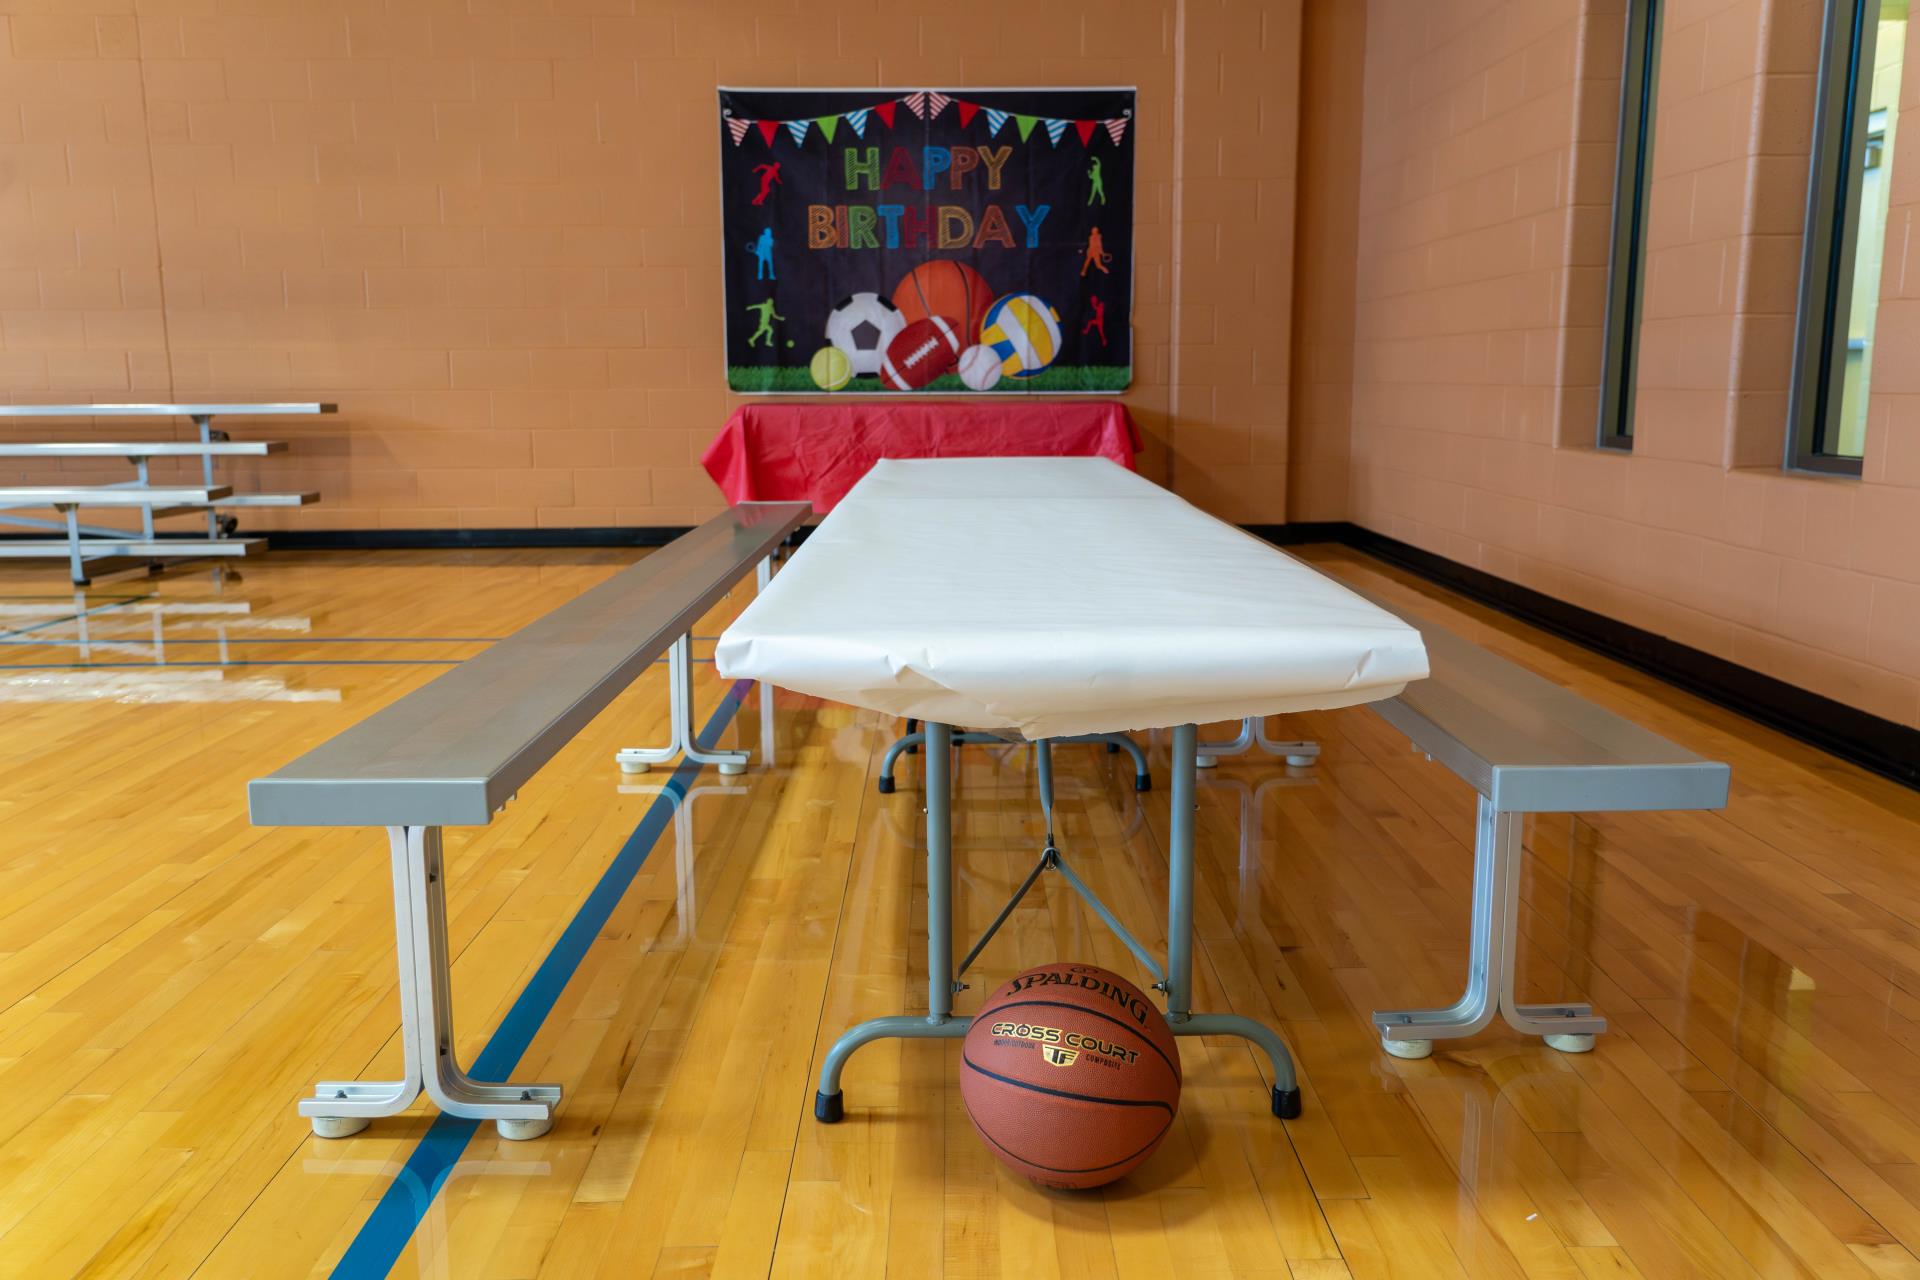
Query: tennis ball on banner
831,369
1024,332
979,368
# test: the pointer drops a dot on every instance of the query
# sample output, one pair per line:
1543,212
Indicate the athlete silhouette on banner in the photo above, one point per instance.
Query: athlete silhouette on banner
769,175
1096,321
767,316
1097,255
762,250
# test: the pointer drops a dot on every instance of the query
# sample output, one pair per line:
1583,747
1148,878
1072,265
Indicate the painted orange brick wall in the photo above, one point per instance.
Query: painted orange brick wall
489,230
1480,279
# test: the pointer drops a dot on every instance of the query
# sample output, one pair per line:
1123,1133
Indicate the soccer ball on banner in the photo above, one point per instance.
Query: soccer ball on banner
862,326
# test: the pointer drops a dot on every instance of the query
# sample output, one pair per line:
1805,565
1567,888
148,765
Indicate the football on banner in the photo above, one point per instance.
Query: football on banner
920,353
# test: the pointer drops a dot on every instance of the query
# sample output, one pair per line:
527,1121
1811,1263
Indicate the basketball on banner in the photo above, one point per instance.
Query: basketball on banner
928,240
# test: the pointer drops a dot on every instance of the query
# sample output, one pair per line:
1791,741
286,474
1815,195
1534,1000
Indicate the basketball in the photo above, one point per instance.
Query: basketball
1070,1075
947,288
1024,332
831,369
979,368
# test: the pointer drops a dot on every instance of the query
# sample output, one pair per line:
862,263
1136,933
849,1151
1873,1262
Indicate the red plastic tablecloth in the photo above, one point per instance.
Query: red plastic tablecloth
816,452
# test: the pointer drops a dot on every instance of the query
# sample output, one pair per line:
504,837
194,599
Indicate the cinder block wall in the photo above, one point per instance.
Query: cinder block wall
490,231
1485,163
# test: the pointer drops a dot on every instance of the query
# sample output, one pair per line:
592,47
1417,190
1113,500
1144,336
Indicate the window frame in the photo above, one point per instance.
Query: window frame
1626,257
1835,177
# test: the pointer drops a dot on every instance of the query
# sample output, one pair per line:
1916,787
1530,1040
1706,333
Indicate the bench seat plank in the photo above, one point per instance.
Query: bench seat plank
108,495
133,449
1532,746
454,751
95,548
161,410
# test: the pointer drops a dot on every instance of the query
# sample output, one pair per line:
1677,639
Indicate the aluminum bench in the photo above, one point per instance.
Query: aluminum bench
1525,745
455,751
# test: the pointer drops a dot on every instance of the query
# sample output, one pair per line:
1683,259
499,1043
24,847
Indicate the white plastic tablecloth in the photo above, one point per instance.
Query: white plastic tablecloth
1057,596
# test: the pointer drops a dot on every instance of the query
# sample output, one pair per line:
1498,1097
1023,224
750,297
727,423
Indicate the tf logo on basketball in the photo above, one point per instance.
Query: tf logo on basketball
1058,1056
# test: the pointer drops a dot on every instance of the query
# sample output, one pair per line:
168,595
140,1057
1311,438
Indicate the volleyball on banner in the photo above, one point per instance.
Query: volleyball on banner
907,241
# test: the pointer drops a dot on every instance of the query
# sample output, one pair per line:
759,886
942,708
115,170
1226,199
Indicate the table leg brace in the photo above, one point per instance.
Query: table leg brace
828,1105
340,1108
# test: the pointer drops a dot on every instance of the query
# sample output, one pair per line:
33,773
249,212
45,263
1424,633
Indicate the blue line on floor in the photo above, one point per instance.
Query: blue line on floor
384,1235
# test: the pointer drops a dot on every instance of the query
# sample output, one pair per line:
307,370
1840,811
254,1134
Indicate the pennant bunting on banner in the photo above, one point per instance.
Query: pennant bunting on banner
1025,125
1082,127
1115,128
885,112
738,128
994,120
827,124
857,119
936,103
798,128
967,110
917,103
1054,129
767,129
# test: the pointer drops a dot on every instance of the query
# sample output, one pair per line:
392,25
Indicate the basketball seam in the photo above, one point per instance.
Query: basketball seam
1092,1013
1062,1093
1138,1152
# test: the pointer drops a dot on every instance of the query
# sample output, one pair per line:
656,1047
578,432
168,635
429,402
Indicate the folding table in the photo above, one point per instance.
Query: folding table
1048,598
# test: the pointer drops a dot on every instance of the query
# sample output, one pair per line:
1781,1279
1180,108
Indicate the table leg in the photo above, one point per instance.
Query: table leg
939,1022
1492,944
1285,1098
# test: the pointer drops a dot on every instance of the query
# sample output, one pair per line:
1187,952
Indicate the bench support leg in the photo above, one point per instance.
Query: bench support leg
1253,732
340,1108
1410,1033
680,718
828,1106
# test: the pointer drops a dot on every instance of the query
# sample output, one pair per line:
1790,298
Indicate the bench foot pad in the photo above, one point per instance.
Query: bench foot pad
1412,1050
338,1126
1570,1044
523,1130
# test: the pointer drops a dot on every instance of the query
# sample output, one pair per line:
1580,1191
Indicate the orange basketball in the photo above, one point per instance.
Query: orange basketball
947,288
1071,1076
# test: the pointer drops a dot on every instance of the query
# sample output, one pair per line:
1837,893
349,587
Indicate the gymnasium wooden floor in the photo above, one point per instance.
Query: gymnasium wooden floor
172,979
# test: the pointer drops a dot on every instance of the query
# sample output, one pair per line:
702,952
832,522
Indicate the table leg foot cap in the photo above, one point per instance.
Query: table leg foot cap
828,1108
1570,1044
1113,748
338,1126
1143,782
885,785
1286,1103
523,1130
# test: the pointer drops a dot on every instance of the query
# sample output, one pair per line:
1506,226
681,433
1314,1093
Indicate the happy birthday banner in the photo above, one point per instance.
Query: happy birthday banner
928,240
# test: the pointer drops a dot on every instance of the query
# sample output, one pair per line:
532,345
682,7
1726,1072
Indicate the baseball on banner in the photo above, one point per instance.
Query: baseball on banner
979,368
831,369
1024,332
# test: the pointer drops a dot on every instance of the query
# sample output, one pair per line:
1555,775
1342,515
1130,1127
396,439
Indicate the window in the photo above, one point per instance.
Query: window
1853,149
1626,269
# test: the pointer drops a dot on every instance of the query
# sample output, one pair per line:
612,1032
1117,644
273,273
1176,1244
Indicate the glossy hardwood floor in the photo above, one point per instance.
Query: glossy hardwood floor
173,979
